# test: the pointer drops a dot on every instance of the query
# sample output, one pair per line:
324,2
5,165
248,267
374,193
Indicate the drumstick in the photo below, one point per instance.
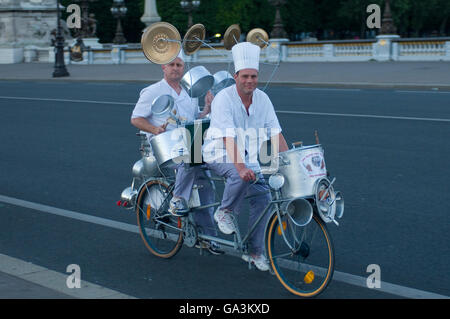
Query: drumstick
317,137
170,120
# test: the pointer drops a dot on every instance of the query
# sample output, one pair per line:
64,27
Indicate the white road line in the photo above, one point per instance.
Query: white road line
63,100
328,89
55,280
339,276
280,111
367,116
412,91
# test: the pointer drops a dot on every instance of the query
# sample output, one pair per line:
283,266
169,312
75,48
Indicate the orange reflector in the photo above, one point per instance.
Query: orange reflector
148,211
279,229
309,277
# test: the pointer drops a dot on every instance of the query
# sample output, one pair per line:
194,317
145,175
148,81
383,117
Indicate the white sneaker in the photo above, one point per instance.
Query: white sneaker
259,261
224,222
177,207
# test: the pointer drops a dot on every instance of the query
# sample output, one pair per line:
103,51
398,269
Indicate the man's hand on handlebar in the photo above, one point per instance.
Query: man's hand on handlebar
247,174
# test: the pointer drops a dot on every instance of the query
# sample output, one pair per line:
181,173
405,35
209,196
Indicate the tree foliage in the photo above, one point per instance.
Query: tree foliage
324,19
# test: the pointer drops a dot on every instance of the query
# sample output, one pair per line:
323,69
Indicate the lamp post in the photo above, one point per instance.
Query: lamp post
60,67
118,10
190,6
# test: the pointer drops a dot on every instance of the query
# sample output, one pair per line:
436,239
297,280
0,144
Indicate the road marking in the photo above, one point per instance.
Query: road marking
280,111
55,280
367,116
339,276
412,91
328,89
63,100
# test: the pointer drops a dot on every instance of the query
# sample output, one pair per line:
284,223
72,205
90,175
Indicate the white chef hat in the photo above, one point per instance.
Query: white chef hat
245,56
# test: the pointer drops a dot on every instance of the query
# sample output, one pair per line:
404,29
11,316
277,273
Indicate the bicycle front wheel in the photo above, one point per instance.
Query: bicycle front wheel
302,257
160,231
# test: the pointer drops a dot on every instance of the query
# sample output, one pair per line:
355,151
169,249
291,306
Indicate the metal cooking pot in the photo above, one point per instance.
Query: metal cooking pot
197,81
301,168
162,105
222,79
171,148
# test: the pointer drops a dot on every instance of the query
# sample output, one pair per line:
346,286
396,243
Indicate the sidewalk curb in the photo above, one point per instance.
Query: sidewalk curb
54,280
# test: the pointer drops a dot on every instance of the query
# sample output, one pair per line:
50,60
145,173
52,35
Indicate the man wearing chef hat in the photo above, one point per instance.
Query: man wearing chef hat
239,114
187,109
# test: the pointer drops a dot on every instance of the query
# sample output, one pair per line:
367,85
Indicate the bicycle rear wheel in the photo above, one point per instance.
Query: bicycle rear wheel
307,268
160,231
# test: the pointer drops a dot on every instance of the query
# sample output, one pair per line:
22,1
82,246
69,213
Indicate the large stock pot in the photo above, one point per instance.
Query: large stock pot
171,148
301,168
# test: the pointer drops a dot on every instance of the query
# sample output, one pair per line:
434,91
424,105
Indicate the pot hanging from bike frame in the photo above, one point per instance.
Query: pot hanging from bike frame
299,211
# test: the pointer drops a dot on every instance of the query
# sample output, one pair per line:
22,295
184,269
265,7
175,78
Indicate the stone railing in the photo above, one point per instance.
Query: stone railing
384,48
324,51
431,49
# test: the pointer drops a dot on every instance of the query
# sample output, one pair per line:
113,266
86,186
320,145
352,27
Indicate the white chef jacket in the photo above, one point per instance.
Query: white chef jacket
185,106
229,118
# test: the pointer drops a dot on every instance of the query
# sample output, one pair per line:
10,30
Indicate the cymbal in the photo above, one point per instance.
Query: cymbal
161,42
193,38
231,36
259,37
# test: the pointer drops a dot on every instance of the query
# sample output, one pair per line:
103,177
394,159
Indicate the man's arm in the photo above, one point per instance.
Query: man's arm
282,144
143,124
245,173
208,100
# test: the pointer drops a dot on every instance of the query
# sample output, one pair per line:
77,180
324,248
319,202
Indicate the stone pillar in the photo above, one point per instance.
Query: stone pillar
328,52
25,24
383,48
447,51
274,50
150,13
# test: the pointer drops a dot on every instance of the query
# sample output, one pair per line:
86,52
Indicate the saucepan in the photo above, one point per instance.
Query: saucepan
222,79
162,105
197,81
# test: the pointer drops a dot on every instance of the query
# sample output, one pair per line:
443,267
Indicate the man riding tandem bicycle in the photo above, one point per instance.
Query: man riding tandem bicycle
288,210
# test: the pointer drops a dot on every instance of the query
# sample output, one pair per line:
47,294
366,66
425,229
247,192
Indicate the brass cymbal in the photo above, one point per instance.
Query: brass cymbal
259,37
193,38
161,42
231,36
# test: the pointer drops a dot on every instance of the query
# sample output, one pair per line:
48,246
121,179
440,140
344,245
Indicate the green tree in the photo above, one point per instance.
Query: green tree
326,19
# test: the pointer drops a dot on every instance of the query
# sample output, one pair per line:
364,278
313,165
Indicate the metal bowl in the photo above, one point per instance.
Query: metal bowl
162,105
197,81
222,79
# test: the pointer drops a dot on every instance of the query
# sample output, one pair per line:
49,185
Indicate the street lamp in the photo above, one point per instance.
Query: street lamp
190,6
118,10
60,68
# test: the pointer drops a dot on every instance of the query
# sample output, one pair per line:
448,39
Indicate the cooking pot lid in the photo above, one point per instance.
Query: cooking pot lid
258,37
193,38
231,36
161,43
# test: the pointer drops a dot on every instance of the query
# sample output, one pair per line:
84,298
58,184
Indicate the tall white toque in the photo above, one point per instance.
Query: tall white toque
245,56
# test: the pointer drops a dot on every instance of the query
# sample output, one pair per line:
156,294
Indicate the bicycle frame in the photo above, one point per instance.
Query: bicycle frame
239,243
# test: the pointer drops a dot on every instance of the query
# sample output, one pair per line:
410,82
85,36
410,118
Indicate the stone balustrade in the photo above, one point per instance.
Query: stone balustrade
388,48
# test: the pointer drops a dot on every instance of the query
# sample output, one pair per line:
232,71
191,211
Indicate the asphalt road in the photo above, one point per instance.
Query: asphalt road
71,146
